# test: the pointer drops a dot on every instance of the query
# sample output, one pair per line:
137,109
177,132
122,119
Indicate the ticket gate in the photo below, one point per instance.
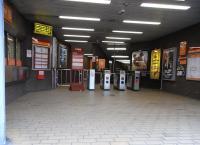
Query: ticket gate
133,80
91,79
105,80
120,80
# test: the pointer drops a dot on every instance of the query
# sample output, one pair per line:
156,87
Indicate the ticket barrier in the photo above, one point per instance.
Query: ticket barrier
105,80
120,80
91,79
133,80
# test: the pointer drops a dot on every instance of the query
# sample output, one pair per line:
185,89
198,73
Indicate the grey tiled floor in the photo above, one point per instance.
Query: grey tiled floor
60,117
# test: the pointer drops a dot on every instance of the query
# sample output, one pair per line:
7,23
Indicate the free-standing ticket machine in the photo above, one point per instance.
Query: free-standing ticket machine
105,80
120,80
133,80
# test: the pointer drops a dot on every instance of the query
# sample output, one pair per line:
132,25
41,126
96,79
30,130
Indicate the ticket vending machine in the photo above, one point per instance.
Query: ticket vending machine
133,80
91,79
105,80
120,80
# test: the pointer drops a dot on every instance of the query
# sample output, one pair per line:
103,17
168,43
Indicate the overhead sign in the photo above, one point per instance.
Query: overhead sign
43,29
155,64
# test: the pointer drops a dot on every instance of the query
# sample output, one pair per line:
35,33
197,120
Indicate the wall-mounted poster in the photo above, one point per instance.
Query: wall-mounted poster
11,50
155,64
169,64
193,64
41,55
181,68
139,60
102,64
63,56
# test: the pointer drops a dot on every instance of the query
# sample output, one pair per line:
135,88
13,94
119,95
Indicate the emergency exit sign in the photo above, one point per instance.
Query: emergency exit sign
43,29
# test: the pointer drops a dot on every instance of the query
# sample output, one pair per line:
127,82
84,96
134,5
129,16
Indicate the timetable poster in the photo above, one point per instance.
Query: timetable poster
155,64
193,64
169,64
41,57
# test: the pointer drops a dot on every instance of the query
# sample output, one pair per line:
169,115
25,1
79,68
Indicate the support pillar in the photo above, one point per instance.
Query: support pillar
2,78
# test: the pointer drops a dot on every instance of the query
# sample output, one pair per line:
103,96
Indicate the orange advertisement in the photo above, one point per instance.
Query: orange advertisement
102,64
7,13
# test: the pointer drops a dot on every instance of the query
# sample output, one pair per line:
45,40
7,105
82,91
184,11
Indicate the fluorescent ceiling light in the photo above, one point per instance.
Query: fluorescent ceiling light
118,42
78,41
77,29
81,36
106,2
142,22
120,56
124,61
118,38
117,49
165,6
128,32
79,18
89,54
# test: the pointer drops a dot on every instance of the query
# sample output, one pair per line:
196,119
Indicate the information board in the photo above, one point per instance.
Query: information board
77,59
169,64
193,64
41,55
43,29
155,64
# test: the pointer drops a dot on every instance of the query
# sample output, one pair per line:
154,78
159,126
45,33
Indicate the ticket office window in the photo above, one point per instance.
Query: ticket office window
13,51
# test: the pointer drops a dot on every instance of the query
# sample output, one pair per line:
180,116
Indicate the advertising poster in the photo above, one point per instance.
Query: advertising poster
102,64
63,56
139,60
169,64
181,68
155,64
193,64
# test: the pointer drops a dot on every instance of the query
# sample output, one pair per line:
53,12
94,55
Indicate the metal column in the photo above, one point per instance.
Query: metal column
2,78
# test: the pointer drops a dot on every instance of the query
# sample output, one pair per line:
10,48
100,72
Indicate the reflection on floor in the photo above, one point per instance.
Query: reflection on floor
61,117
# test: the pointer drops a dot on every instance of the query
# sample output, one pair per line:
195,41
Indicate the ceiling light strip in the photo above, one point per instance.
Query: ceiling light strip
118,38
106,2
78,41
120,56
116,49
77,29
78,36
165,6
128,32
79,18
141,22
117,42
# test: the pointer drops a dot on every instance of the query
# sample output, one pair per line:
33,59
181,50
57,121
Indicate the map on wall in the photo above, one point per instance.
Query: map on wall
193,66
139,60
169,64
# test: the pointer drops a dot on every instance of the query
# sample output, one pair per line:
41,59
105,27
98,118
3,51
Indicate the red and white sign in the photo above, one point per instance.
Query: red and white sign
77,58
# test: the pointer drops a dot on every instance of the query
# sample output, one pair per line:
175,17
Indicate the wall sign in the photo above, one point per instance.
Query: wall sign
169,64
43,29
77,59
139,60
193,64
183,53
155,64
8,13
41,55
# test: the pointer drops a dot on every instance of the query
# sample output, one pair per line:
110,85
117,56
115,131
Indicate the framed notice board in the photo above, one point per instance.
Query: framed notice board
41,56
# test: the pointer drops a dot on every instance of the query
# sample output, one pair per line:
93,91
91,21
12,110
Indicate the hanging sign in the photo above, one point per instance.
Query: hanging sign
43,29
155,64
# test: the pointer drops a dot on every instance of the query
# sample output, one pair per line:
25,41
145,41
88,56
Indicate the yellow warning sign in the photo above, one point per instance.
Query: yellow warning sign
43,29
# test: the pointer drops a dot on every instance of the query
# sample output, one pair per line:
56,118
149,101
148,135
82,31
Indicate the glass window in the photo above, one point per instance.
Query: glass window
11,49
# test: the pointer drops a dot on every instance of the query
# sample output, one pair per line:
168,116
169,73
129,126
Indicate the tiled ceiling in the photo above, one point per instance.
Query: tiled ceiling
47,11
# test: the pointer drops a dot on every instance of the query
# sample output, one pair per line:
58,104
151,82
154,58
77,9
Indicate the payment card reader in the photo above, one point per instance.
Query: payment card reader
105,80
